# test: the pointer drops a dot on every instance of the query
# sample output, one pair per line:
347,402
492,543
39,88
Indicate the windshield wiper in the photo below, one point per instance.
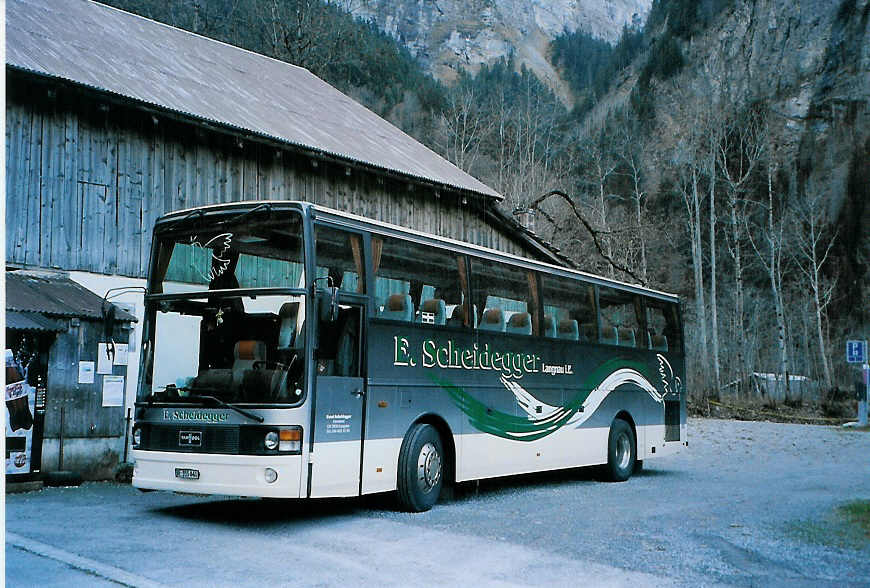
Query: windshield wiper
222,403
267,206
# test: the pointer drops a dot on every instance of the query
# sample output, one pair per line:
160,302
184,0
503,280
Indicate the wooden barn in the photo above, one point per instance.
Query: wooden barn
113,120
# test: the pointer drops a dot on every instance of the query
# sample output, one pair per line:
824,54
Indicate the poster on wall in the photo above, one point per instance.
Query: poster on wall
86,372
105,358
20,407
113,390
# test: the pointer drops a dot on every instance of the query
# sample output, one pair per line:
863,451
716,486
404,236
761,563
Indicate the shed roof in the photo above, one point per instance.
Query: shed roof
32,321
54,295
158,65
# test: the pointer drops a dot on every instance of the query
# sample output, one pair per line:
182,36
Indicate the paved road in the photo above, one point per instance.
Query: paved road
747,504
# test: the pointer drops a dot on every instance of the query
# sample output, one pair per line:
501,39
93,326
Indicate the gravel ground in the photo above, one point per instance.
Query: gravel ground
747,504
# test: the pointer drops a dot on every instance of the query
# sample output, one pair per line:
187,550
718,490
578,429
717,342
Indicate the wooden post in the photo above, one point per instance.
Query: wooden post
60,439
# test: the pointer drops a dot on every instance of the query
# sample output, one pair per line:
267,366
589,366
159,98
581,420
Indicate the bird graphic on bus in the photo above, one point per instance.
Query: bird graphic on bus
219,245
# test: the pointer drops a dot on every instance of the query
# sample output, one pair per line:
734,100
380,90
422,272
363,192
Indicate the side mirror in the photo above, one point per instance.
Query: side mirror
333,304
327,311
328,305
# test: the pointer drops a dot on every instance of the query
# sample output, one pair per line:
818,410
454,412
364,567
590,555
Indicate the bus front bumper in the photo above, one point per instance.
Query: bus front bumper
232,475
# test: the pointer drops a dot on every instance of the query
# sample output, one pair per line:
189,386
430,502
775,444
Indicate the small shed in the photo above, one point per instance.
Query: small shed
58,335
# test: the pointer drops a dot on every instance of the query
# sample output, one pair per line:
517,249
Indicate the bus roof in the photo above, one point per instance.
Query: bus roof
354,220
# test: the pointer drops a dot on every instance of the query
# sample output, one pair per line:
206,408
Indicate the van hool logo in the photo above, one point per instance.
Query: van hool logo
194,415
511,365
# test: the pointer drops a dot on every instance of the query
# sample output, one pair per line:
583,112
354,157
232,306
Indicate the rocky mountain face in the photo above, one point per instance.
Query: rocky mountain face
809,63
806,65
448,35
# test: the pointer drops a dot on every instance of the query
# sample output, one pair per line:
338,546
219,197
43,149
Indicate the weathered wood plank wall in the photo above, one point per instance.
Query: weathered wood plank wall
84,413
86,181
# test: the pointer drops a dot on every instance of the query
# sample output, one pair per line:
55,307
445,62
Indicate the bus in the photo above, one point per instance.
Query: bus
294,351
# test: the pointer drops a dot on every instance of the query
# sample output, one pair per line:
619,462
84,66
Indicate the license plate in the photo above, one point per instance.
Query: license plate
187,473
190,438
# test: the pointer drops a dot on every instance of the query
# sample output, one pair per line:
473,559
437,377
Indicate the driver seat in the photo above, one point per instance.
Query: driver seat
246,354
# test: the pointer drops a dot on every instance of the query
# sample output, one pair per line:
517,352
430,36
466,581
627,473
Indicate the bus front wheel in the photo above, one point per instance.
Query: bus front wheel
621,452
421,468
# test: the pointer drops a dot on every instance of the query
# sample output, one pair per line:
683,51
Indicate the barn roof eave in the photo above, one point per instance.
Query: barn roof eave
248,134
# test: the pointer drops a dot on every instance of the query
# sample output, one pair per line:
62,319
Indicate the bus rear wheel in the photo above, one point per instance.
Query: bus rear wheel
421,468
621,452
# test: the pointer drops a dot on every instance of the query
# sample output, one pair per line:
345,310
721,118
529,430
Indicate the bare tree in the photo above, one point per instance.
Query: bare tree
769,247
740,150
687,170
465,127
813,244
596,234
712,141
302,32
521,135
597,166
633,165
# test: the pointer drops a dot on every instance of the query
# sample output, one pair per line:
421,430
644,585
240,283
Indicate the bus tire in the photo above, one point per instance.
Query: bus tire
621,452
421,468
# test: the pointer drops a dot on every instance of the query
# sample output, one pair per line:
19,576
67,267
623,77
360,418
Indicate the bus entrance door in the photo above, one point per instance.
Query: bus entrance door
339,399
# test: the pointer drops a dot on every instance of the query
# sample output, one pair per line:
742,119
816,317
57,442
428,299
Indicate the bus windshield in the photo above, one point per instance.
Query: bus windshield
240,349
210,332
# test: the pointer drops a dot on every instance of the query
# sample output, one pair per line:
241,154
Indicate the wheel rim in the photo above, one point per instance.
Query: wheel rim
623,451
428,467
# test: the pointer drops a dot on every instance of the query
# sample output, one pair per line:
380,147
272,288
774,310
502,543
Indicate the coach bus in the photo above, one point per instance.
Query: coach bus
290,350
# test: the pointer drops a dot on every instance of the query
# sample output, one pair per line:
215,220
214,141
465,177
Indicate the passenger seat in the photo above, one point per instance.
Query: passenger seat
520,323
493,320
398,308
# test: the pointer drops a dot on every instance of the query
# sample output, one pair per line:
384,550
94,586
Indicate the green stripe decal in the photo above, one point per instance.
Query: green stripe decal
521,428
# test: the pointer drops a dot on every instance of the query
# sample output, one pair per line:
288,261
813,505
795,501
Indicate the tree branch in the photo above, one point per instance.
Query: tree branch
535,205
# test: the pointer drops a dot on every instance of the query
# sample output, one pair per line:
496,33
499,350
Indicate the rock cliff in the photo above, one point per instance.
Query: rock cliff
810,63
447,35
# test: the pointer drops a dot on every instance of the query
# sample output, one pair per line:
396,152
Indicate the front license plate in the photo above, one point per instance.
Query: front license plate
187,473
190,438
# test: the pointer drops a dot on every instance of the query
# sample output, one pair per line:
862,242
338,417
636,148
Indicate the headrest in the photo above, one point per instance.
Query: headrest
520,319
492,316
567,326
432,305
396,302
250,350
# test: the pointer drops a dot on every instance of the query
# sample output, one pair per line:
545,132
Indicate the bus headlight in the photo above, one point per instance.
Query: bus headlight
271,440
271,475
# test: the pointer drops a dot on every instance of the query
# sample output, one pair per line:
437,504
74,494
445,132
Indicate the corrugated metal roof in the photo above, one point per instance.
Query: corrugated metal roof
32,321
54,295
121,53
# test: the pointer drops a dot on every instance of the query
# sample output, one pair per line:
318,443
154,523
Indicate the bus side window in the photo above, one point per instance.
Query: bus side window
569,309
663,326
417,283
619,320
339,258
656,326
505,297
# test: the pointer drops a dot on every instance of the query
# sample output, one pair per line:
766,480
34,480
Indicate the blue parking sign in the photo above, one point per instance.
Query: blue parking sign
856,351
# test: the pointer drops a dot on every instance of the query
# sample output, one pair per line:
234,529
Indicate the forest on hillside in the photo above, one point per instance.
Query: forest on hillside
666,172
